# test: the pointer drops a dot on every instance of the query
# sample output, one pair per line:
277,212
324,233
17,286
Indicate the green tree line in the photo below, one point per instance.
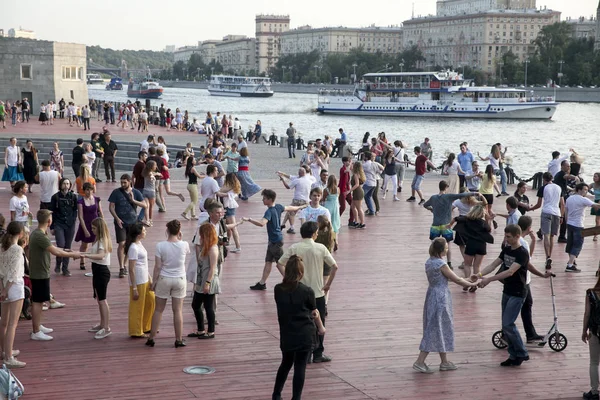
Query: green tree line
138,59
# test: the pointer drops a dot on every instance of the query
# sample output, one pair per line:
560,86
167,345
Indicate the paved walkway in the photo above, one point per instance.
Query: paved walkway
374,325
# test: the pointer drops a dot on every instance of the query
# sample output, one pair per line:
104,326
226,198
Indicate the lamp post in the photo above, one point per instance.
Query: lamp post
401,65
212,71
501,64
560,74
354,65
283,68
316,67
198,71
526,63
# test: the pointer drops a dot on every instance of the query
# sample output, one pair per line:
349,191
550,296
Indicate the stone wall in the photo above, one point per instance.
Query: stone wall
70,54
39,54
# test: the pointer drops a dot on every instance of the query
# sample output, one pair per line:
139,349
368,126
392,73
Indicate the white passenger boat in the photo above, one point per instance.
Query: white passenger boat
240,86
433,94
94,79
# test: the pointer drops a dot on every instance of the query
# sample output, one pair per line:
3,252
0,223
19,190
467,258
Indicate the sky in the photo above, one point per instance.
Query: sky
108,24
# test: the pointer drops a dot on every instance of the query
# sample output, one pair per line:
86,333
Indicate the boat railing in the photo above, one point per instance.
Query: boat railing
372,86
336,92
539,99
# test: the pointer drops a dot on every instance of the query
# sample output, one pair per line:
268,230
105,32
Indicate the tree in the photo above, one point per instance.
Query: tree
179,69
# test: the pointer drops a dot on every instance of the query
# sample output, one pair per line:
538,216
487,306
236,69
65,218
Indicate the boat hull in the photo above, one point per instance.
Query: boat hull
239,94
145,94
491,111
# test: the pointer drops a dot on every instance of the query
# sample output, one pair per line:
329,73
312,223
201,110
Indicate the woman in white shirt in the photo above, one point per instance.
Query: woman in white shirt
169,280
100,256
452,168
19,205
141,299
12,291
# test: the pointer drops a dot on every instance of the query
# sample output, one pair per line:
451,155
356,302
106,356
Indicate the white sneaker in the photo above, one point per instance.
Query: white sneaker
95,329
236,250
56,304
44,307
15,353
14,363
40,336
46,330
102,333
396,198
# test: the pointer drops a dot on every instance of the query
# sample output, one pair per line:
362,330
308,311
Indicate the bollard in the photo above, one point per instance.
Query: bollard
282,141
148,105
340,150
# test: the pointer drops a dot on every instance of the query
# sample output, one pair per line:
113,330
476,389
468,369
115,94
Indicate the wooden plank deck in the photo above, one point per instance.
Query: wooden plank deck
374,325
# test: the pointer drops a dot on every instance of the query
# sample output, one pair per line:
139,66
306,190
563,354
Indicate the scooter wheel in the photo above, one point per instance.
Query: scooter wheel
557,342
498,340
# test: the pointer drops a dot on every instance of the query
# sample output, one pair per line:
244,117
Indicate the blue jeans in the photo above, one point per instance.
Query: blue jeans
369,197
502,174
14,118
511,307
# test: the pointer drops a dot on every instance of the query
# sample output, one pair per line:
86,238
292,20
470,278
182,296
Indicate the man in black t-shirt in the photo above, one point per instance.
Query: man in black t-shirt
78,154
561,179
110,152
514,259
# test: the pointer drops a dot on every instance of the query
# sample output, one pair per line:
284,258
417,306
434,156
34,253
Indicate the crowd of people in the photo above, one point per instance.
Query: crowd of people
320,198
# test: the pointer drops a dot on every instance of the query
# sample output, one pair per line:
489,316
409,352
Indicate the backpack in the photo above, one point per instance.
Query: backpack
10,387
594,322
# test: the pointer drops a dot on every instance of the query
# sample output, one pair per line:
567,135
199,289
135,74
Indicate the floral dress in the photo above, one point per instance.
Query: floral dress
249,188
438,320
55,157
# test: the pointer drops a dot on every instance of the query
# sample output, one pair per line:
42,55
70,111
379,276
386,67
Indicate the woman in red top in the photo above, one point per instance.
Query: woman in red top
345,188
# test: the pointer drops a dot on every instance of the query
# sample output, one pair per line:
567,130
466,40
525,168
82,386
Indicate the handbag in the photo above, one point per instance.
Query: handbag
10,387
19,168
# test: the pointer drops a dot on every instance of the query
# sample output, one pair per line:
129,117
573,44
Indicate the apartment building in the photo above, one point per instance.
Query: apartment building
269,29
477,40
447,8
237,53
341,40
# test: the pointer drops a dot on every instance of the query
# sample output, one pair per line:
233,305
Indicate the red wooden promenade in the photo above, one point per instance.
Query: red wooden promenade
374,324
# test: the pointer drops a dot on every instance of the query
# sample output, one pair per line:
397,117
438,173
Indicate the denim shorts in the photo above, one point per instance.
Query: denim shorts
229,212
574,240
416,182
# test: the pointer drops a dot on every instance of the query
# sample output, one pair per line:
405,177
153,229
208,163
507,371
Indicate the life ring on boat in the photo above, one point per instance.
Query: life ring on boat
374,86
521,100
364,98
408,85
487,100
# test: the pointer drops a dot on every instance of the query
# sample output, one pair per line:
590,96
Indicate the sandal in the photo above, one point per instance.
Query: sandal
184,215
472,289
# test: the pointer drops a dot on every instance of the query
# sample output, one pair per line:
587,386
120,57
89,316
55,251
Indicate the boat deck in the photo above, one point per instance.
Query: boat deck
374,325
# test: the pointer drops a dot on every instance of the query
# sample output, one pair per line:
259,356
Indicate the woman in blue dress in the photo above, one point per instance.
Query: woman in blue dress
332,203
438,321
249,188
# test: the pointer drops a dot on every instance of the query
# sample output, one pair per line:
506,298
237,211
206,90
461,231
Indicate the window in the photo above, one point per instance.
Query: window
26,72
72,73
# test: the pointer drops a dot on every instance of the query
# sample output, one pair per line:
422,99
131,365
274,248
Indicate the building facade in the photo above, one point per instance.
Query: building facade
170,48
447,8
477,40
269,29
582,28
341,40
184,53
237,54
208,50
43,71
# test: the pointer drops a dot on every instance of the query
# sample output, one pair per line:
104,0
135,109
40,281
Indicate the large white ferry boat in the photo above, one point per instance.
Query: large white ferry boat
433,94
240,86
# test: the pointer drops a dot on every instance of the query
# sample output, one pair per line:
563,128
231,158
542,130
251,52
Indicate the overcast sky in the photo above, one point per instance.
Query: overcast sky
127,25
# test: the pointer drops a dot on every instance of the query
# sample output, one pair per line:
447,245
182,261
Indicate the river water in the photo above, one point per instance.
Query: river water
529,142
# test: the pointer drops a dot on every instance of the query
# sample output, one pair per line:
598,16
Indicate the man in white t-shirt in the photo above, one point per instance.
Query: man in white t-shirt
322,182
554,165
314,209
220,177
372,170
553,212
48,184
575,207
209,186
241,143
301,185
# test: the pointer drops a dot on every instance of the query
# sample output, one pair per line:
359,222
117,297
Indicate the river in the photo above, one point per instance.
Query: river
529,142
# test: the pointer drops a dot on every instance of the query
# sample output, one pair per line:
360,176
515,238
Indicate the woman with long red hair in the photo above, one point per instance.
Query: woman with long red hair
207,281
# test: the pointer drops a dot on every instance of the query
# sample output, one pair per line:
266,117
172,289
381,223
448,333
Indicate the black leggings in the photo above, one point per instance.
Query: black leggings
209,302
109,166
298,359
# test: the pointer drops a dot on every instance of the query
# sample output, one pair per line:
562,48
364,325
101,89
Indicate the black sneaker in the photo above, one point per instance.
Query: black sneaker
82,267
321,359
450,266
536,338
539,234
512,363
360,226
572,269
122,273
98,180
66,273
548,263
422,201
562,240
259,286
291,231
495,224
352,224
57,270
591,395
411,199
